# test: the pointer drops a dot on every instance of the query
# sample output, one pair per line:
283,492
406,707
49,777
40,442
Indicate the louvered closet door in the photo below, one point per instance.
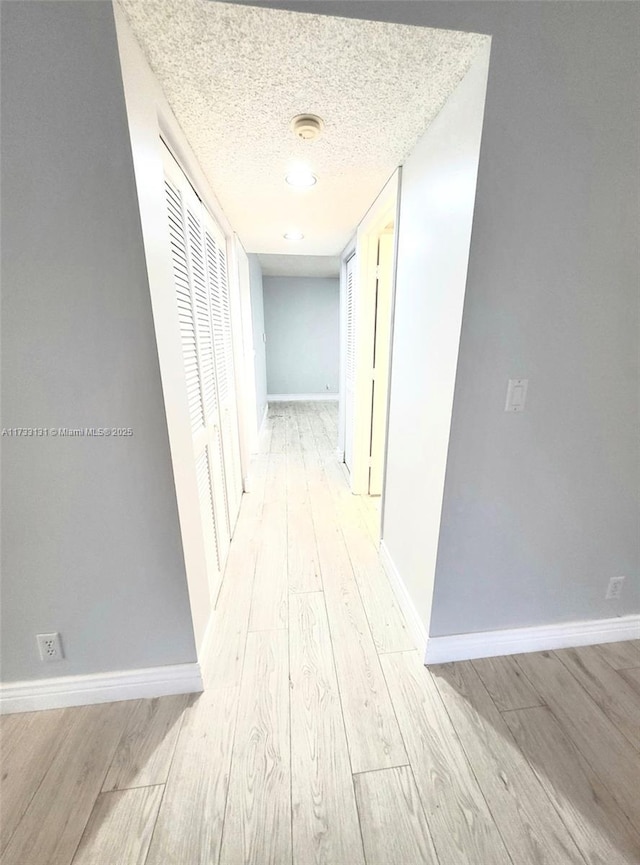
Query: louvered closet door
219,299
190,276
350,361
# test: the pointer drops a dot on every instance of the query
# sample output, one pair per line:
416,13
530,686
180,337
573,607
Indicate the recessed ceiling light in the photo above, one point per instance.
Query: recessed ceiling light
293,235
301,178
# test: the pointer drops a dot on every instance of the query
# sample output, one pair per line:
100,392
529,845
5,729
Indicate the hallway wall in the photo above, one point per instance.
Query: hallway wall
303,335
91,544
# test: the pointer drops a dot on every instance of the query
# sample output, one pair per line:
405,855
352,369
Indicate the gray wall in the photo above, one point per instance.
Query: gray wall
91,544
303,334
257,320
540,509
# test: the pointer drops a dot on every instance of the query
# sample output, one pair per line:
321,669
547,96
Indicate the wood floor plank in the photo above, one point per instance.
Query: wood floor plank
372,730
371,507
387,624
587,808
632,678
462,828
302,556
145,751
527,820
120,827
394,828
507,685
617,699
611,756
292,431
54,821
278,423
270,584
222,667
257,828
28,743
621,656
189,824
307,441
325,820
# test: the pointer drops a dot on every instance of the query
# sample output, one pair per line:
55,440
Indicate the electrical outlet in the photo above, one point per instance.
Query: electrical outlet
614,589
50,647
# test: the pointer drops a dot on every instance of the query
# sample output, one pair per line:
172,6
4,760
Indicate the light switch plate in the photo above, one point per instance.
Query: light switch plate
516,394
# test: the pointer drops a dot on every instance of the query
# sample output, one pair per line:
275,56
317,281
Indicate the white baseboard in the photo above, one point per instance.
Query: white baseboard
303,397
513,641
265,414
58,693
414,622
260,436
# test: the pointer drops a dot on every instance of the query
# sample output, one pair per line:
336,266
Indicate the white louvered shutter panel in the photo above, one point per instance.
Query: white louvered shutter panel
207,511
202,317
191,280
350,360
223,349
186,317
217,315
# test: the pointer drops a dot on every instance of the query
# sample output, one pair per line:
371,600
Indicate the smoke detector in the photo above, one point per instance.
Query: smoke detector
308,127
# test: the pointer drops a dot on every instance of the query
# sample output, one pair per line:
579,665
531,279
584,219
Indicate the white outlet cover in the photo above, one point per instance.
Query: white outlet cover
50,647
614,589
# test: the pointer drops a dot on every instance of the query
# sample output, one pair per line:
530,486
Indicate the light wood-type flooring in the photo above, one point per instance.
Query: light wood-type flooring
321,739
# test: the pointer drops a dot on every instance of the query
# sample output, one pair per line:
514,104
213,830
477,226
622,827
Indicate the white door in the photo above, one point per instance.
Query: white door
380,364
350,361
196,279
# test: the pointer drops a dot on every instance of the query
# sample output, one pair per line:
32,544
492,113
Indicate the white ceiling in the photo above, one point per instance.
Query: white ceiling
236,75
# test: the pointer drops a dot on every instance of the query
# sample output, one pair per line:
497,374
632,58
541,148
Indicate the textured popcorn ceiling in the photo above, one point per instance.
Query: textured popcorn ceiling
235,76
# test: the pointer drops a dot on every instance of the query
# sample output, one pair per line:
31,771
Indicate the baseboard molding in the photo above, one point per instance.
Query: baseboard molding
414,622
265,414
513,641
303,397
58,693
259,438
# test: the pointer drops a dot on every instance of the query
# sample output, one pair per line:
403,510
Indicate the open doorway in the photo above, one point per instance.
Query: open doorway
318,179
368,290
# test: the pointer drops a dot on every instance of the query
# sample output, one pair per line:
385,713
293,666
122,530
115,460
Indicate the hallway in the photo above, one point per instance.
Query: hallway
320,737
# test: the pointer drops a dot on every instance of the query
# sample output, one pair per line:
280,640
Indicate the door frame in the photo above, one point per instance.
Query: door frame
380,214
151,119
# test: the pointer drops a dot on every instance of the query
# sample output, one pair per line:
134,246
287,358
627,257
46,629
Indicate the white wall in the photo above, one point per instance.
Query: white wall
302,324
91,541
540,509
437,196
259,346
